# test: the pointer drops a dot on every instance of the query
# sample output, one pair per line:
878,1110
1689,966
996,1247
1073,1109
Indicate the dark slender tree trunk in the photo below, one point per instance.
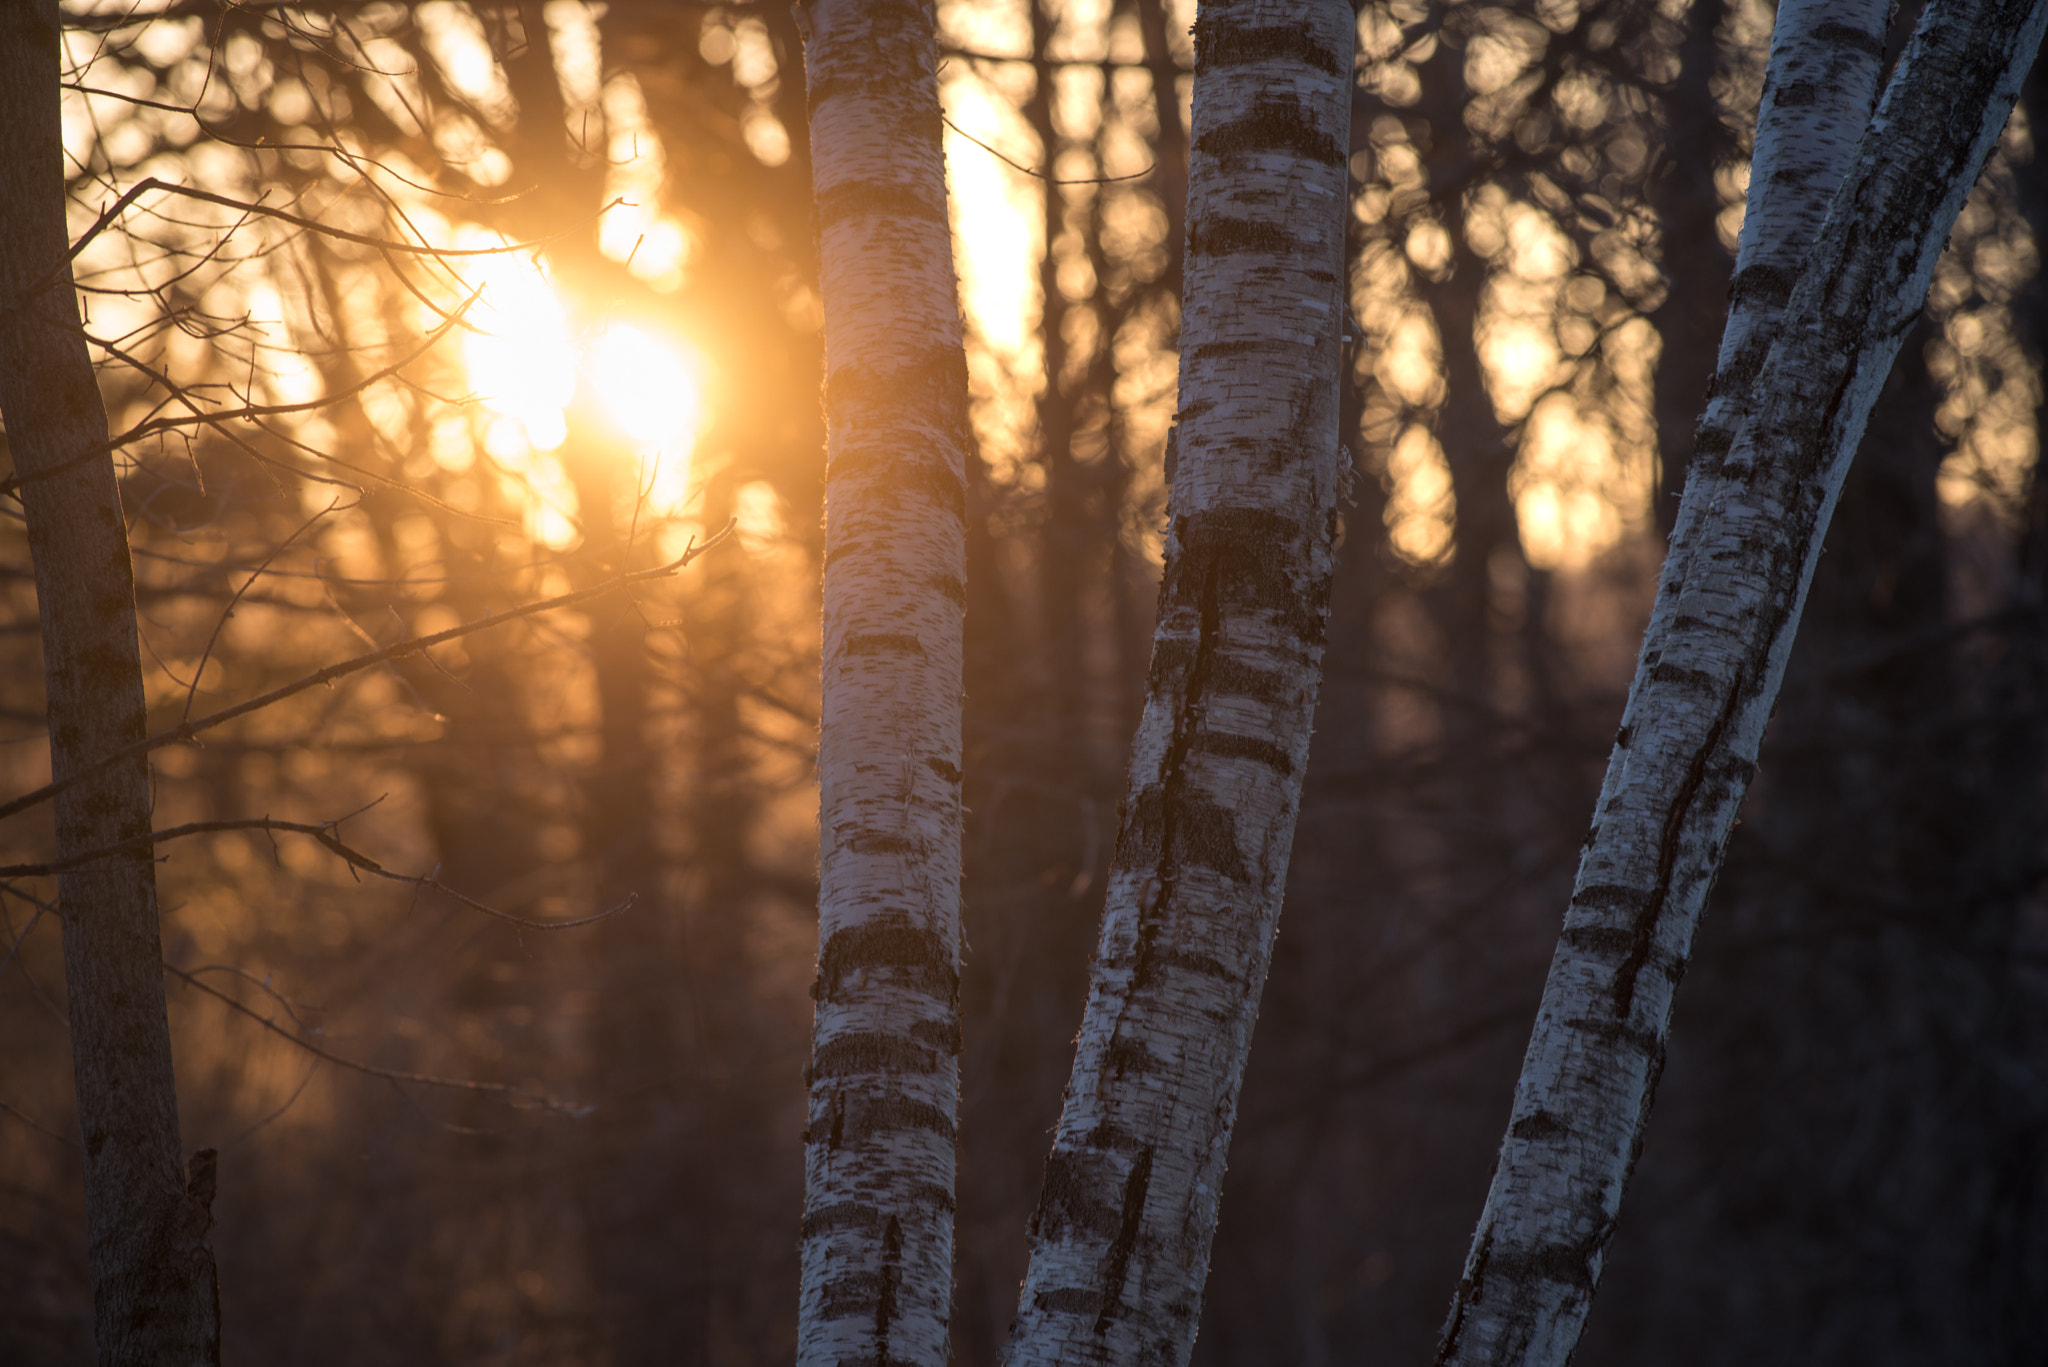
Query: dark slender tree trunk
155,1298
1170,152
1696,265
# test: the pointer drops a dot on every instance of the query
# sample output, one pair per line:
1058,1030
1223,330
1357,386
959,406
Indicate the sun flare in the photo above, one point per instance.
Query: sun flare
528,367
521,357
652,387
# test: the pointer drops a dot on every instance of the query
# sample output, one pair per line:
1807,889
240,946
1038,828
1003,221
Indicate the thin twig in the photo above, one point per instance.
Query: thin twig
229,611
399,650
149,183
1040,175
575,1110
324,832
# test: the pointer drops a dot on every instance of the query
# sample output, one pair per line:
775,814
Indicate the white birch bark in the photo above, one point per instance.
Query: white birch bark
1707,677
1121,1236
155,1300
1819,89
877,1240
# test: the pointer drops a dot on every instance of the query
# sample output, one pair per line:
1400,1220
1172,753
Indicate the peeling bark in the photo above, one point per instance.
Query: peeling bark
877,1249
1121,1237
155,1298
1748,535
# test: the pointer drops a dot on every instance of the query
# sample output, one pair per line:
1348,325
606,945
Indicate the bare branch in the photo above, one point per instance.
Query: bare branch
397,651
142,187
574,1110
324,832
1042,175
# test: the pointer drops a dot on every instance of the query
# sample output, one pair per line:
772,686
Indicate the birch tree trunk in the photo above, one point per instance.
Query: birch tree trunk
1121,1236
877,1248
155,1301
1747,538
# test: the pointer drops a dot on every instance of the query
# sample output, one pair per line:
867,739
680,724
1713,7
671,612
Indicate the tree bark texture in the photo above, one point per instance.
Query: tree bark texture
1748,536
155,1299
1121,1237
1819,89
877,1248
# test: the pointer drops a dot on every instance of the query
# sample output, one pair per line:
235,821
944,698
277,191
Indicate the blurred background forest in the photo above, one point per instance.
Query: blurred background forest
1849,1157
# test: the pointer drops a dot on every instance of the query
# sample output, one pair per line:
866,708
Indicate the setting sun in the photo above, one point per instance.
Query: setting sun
649,385
527,365
521,358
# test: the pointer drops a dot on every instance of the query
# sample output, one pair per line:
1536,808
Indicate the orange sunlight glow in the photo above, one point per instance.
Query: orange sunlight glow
521,359
526,365
651,387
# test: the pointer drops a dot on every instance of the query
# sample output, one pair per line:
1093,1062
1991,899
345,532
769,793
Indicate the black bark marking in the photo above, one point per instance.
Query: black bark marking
1798,95
1762,283
943,1036
882,643
863,407
1176,833
1220,43
1064,1202
1679,674
1224,236
1119,1264
937,373
1259,554
1152,834
889,941
1275,123
1130,1056
1602,940
891,1115
860,199
924,473
870,1051
1206,965
1257,749
1471,1287
1667,855
1607,897
1619,1035
931,1194
877,842
1539,1126
890,55
1113,1138
1230,678
854,1294
1737,379
1711,443
1849,36
1573,1264
892,1276
845,1215
1218,350
1068,1300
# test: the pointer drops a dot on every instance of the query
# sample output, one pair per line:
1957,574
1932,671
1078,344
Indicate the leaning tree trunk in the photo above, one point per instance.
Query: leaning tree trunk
877,1249
1743,555
154,1295
1120,1240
